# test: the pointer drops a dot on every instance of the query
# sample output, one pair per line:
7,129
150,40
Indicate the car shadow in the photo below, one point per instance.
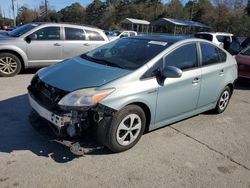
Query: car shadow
242,84
29,71
21,131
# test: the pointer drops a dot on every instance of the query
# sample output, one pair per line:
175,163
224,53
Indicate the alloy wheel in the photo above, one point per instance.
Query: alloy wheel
224,99
8,65
129,129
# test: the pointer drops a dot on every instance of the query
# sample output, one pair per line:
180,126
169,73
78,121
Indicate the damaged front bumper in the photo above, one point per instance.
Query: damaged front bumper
72,122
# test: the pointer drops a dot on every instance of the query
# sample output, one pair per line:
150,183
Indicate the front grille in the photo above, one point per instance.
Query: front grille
47,95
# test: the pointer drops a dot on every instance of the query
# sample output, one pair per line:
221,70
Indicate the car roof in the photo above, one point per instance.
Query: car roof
64,23
162,38
216,33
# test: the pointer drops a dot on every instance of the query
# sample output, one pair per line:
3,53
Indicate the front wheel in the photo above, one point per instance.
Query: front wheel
126,129
223,100
10,65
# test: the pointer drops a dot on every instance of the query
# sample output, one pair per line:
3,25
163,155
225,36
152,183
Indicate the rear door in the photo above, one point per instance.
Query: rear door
75,42
213,73
46,47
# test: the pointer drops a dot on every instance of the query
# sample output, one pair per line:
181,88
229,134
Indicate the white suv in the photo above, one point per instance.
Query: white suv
218,38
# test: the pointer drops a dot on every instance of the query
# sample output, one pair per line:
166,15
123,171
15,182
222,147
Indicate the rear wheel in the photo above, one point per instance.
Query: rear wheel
126,129
10,65
223,100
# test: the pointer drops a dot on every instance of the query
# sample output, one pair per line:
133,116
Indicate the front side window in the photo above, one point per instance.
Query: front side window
93,35
74,34
184,57
210,54
48,33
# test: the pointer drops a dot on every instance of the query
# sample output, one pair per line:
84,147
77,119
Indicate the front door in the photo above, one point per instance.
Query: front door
177,96
46,46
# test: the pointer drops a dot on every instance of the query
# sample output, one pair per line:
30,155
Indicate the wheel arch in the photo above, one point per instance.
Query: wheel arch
147,112
20,55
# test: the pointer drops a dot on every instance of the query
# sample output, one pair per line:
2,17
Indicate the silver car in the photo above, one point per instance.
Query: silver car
133,85
42,44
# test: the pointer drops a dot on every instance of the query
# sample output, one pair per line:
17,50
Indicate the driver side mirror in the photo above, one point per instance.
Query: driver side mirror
171,72
31,37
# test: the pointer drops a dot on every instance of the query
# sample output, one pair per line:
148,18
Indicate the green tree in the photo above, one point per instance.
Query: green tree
26,15
74,13
94,12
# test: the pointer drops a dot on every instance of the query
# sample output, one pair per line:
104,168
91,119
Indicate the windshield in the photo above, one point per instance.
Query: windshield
22,29
127,53
115,33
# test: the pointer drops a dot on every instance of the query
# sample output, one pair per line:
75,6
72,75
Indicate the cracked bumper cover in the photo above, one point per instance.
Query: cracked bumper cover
79,119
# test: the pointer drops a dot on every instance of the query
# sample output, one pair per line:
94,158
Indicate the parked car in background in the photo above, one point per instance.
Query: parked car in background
4,27
245,43
133,85
42,44
218,38
243,61
116,34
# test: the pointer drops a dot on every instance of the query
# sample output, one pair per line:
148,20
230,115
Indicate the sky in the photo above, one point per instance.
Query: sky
55,4
5,5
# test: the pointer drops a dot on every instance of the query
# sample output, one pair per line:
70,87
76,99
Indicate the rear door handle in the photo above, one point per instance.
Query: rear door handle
196,81
57,44
86,44
221,72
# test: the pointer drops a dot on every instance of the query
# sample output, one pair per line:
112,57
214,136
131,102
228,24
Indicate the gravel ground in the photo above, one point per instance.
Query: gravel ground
203,151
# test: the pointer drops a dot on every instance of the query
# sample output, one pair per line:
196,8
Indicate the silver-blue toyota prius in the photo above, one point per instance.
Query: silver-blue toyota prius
133,85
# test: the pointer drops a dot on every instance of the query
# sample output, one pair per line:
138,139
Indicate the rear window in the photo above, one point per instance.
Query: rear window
245,52
204,36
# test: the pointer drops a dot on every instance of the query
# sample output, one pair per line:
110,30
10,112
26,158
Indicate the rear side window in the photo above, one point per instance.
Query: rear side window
93,35
184,57
210,54
74,34
204,36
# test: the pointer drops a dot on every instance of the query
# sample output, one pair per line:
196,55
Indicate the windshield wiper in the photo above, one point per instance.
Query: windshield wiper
101,61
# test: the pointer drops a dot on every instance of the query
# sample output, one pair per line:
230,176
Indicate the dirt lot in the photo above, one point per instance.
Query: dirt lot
203,151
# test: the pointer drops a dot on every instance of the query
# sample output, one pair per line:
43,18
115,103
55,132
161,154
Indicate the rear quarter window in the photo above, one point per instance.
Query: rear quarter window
94,36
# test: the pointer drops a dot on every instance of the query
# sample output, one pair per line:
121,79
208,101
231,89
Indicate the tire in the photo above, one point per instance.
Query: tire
121,134
10,65
223,100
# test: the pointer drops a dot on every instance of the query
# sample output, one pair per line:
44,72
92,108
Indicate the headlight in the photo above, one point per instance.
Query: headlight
84,97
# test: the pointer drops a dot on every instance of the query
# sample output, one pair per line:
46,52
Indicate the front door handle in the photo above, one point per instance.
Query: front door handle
196,81
57,44
86,44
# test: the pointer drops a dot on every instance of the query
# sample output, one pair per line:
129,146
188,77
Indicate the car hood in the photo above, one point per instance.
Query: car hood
4,36
78,73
